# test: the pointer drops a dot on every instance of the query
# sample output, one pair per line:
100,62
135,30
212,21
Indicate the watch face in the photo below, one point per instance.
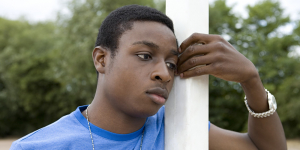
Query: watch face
271,101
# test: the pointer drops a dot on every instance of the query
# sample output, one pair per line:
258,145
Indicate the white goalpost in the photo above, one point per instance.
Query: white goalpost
186,114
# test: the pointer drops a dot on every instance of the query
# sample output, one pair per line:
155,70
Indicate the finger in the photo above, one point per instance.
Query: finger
176,73
196,72
194,50
197,38
195,61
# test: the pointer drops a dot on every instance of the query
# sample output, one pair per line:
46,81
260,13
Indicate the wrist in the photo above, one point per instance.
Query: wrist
272,106
252,81
256,94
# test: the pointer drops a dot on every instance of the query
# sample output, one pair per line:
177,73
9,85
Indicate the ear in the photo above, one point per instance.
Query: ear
99,57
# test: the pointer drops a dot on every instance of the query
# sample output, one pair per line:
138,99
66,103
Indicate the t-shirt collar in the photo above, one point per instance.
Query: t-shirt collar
104,133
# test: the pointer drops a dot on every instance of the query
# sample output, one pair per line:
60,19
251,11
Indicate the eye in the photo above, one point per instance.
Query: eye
145,56
171,66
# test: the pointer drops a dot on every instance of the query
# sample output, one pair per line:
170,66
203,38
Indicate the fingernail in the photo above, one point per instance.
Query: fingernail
181,75
179,49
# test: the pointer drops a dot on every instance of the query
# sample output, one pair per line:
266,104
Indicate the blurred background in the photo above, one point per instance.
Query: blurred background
46,68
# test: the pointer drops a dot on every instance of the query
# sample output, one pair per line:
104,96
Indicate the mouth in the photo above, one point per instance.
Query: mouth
158,95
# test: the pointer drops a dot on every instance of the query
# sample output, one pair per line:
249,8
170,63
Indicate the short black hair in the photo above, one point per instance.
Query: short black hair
121,20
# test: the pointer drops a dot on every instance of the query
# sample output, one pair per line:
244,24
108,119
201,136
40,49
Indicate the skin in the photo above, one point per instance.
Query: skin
221,60
142,62
145,60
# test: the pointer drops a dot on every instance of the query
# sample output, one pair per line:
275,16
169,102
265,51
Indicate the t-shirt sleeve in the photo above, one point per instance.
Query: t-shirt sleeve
15,146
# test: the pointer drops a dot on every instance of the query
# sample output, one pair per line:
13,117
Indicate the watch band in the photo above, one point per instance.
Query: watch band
272,107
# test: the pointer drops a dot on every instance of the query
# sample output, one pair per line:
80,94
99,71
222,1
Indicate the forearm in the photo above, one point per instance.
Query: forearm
265,133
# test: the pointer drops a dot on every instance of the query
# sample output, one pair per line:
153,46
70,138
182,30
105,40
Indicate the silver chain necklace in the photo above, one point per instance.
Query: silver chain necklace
87,118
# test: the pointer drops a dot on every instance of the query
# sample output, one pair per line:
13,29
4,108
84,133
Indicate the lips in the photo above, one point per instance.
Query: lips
158,95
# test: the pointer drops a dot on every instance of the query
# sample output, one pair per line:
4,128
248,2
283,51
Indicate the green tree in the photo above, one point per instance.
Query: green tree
26,89
288,90
49,63
225,97
257,37
46,69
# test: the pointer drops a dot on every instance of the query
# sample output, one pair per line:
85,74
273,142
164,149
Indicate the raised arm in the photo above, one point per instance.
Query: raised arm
220,59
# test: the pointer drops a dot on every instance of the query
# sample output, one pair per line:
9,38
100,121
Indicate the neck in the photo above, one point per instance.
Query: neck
108,118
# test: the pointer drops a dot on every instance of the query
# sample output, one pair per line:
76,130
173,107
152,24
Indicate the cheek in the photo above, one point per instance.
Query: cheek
127,77
122,88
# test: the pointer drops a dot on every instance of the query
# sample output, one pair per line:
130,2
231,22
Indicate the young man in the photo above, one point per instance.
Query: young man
136,57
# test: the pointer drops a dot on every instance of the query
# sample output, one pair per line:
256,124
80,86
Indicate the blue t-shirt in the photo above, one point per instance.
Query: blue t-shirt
71,132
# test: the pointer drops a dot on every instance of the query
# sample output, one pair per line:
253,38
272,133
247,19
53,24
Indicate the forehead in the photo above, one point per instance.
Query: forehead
155,32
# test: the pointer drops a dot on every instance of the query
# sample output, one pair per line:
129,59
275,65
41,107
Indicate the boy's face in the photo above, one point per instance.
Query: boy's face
141,75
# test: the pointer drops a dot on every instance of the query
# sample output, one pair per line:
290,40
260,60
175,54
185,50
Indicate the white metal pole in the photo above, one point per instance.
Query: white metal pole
186,114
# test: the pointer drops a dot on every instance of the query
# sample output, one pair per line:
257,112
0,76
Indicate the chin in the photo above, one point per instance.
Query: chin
147,112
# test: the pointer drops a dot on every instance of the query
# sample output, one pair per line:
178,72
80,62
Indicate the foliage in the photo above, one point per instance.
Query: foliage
258,37
46,68
26,88
226,108
47,71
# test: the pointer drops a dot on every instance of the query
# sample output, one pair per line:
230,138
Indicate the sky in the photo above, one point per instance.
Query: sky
33,10
291,7
41,10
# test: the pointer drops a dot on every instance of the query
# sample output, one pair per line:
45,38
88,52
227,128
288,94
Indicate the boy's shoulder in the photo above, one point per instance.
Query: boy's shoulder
59,133
71,129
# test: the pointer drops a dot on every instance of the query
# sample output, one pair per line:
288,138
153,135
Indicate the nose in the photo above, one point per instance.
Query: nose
161,72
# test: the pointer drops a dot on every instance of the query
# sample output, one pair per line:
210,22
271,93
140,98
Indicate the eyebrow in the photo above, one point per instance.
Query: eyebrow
153,45
147,43
174,52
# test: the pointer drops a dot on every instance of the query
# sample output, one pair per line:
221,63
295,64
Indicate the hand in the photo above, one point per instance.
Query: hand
218,57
